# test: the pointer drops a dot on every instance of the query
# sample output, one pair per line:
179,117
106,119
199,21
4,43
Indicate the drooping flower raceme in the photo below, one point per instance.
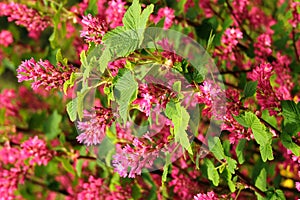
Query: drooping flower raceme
24,16
44,74
93,29
266,96
93,127
208,196
36,150
114,13
6,38
166,12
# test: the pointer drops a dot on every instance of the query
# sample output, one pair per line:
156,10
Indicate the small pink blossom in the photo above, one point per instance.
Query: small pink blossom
24,16
93,128
295,6
93,29
114,13
208,196
166,12
266,96
298,186
36,150
6,38
44,74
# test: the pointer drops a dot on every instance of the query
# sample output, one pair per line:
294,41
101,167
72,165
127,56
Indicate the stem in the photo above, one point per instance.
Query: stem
43,185
295,46
240,25
248,183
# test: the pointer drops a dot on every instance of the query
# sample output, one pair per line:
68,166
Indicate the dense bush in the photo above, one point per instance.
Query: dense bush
115,99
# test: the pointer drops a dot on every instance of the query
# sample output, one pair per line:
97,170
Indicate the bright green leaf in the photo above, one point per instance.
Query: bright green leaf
51,125
212,173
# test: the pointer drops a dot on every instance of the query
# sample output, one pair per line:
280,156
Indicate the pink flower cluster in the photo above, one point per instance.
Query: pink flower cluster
208,196
133,159
96,189
7,99
114,13
266,96
44,74
167,13
6,38
93,29
295,21
262,48
24,16
214,98
205,5
93,128
33,149
36,150
230,39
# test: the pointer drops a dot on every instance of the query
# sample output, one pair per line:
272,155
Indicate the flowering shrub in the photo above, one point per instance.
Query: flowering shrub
116,99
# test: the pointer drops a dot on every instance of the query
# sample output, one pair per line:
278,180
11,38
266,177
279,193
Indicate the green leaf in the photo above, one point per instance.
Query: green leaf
239,151
124,40
72,109
289,144
216,147
212,173
166,167
262,136
125,89
291,115
180,118
250,89
66,165
231,164
51,125
78,167
261,181
59,58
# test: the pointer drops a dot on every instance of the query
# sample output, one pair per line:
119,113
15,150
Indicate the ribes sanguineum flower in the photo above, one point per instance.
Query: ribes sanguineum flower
266,96
44,74
6,38
24,16
8,102
114,13
36,151
295,6
93,127
262,47
166,12
93,29
208,196
129,161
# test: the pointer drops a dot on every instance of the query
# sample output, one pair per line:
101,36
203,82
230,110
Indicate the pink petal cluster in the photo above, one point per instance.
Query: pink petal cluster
7,99
258,19
114,13
233,106
284,77
205,5
24,16
6,38
9,181
151,94
208,196
97,189
116,65
129,161
93,29
184,185
93,127
230,39
295,6
266,96
169,52
214,98
36,151
166,12
44,74
262,47
240,10
93,189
